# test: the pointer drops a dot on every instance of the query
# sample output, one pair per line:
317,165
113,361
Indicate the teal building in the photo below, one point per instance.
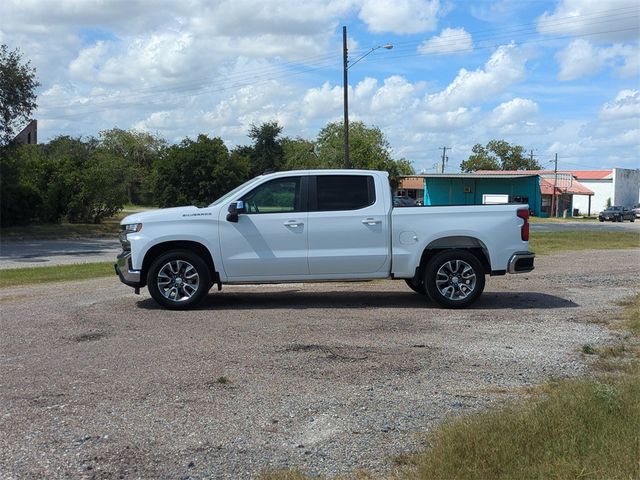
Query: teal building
474,189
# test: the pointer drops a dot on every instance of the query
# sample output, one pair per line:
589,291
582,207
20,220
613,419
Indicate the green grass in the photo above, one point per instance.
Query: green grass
108,228
575,429
544,243
630,319
57,273
562,220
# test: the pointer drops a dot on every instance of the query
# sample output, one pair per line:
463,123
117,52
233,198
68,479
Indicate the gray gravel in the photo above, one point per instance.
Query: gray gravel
96,382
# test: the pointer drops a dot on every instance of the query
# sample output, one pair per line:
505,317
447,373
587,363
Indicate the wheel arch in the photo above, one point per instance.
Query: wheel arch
460,242
195,247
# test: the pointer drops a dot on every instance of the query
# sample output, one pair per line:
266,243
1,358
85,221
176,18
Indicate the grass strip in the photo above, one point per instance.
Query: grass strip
544,243
14,277
576,429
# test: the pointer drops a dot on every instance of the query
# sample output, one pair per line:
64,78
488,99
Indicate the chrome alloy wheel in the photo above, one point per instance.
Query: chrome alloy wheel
456,280
178,280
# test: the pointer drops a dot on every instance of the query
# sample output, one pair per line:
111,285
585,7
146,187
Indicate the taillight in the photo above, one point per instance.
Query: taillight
523,213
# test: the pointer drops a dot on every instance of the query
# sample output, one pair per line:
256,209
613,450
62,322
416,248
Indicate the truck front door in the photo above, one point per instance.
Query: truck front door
270,237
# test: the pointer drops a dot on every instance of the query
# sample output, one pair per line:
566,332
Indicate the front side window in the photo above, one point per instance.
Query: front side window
276,196
344,192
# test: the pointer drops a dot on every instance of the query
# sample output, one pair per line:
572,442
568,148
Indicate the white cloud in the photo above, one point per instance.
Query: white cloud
442,121
450,40
395,94
582,58
85,65
613,20
505,67
400,16
323,102
625,105
514,111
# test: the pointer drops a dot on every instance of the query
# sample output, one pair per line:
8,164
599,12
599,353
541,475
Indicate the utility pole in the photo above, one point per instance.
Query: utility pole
554,202
444,157
531,156
345,82
345,68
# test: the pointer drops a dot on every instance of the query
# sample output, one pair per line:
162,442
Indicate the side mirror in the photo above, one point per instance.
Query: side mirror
234,210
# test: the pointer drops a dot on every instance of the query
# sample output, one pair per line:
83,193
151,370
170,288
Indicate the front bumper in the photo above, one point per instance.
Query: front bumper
521,262
128,276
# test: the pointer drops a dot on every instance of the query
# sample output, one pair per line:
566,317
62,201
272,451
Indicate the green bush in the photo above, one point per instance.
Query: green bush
67,178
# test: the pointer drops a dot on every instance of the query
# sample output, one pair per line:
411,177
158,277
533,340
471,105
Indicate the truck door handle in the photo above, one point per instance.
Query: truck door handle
293,223
371,221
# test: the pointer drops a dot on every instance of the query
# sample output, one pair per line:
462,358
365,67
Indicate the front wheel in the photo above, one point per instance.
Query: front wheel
416,285
178,279
454,278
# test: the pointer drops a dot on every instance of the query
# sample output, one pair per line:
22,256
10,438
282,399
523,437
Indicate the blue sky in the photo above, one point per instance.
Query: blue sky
558,76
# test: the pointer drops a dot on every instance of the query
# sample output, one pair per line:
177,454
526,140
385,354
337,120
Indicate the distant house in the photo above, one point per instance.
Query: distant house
547,193
28,135
620,186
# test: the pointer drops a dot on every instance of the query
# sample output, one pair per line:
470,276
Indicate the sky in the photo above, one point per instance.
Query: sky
557,77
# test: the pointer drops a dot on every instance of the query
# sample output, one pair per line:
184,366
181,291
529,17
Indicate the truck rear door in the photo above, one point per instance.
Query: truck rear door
348,230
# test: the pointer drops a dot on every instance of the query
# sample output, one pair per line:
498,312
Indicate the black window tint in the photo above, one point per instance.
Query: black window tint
277,196
345,192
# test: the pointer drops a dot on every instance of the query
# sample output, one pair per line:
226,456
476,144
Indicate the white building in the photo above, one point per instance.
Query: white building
620,186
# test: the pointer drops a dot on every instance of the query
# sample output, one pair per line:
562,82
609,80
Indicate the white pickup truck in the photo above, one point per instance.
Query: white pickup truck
316,226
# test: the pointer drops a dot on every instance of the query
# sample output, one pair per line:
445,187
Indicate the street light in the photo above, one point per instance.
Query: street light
345,70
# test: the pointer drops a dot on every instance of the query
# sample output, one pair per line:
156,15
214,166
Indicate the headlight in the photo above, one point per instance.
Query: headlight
131,227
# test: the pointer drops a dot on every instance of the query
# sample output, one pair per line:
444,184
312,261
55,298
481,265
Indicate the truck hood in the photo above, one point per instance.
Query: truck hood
167,214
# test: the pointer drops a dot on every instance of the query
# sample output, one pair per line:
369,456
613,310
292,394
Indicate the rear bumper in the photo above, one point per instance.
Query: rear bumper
521,262
123,269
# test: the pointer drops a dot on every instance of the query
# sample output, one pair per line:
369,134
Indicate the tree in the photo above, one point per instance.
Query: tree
197,172
139,151
20,202
369,149
67,178
299,154
266,151
498,155
17,92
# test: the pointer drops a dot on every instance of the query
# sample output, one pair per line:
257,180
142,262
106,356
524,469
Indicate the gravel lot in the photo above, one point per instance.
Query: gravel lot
96,382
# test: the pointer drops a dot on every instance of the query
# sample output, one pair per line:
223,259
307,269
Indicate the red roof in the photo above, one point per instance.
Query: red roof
592,174
579,174
576,188
512,172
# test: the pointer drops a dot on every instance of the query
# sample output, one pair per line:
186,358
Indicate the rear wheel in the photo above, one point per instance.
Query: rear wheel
454,278
178,279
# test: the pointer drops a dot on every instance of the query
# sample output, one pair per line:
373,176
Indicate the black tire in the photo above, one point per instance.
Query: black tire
178,279
416,285
454,278
601,219
632,219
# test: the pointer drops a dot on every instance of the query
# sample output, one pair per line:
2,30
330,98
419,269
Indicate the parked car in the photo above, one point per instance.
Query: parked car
617,213
636,210
404,202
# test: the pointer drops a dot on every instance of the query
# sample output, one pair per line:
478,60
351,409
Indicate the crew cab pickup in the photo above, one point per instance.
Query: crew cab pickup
317,226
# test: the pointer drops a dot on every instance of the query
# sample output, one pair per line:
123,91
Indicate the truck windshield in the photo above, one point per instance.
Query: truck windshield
229,196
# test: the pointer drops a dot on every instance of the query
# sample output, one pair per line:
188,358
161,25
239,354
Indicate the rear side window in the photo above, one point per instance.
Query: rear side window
344,192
